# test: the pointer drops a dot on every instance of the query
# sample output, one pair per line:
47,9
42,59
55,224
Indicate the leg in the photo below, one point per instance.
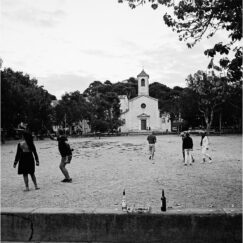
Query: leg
183,153
34,181
203,154
193,160
63,169
190,156
186,156
150,151
26,182
207,155
153,150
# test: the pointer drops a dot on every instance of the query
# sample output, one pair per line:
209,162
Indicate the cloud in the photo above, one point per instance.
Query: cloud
29,13
59,84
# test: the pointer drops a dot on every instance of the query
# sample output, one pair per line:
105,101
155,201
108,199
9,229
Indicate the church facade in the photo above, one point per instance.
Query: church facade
142,112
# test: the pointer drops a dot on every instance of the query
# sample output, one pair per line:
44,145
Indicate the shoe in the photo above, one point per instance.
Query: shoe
190,164
149,157
70,180
185,164
65,180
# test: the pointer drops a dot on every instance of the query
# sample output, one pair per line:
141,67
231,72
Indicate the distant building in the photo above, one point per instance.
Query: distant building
142,112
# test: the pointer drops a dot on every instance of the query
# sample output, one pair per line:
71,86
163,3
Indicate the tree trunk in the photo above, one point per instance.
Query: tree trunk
208,116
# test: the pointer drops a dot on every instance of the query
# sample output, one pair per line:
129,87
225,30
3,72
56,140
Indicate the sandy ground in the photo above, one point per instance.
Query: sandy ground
101,168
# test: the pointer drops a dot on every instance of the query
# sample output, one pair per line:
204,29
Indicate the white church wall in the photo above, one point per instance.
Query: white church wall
133,113
151,109
165,123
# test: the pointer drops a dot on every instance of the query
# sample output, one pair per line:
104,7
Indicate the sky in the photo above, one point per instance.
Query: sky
68,44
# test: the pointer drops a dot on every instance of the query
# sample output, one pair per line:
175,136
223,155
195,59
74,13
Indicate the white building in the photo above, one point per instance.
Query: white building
142,112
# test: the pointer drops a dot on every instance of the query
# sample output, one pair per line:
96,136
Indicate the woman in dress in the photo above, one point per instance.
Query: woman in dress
26,157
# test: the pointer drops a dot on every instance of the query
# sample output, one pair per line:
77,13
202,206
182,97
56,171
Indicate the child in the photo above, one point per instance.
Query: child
24,157
66,153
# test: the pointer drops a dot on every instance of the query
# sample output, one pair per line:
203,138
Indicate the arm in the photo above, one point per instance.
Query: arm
17,156
35,155
51,137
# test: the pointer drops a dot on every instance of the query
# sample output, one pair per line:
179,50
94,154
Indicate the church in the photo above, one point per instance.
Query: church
142,113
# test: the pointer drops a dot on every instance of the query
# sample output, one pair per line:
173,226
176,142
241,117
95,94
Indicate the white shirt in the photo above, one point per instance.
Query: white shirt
205,142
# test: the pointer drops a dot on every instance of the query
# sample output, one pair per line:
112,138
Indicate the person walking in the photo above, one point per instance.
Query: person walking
151,140
26,156
66,154
205,146
188,146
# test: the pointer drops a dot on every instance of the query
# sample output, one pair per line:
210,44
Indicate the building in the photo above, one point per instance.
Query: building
142,112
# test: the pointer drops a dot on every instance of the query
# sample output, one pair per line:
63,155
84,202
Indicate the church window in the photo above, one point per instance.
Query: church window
143,105
142,82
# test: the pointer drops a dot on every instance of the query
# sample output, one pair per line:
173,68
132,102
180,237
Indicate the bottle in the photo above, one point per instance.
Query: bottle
163,202
124,203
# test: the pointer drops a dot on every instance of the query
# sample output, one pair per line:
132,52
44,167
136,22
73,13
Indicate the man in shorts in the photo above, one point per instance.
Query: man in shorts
66,154
151,140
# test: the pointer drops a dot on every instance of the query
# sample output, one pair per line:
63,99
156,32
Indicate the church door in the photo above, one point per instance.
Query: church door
143,124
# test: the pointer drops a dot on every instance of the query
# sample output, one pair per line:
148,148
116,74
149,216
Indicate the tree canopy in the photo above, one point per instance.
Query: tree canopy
193,19
22,100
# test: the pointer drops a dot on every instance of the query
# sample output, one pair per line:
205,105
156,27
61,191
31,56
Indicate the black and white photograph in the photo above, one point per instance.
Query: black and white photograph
121,121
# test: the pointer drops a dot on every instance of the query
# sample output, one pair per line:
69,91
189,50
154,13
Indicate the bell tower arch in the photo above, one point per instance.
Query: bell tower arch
143,83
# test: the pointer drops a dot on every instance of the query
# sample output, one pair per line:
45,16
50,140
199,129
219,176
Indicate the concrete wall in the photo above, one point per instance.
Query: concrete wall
76,225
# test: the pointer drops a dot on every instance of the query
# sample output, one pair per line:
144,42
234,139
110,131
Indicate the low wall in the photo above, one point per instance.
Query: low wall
76,225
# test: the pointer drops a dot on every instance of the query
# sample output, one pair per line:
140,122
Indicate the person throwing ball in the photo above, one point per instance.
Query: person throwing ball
66,154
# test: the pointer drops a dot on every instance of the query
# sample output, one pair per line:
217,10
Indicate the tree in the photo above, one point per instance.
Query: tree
72,108
189,101
23,100
104,106
192,19
128,88
212,92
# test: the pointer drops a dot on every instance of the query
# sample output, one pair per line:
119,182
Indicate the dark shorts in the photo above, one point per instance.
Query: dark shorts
66,159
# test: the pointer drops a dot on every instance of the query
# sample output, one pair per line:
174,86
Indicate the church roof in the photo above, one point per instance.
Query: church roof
139,96
143,74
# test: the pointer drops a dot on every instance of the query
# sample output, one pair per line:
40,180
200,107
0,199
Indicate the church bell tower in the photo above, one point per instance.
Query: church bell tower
143,83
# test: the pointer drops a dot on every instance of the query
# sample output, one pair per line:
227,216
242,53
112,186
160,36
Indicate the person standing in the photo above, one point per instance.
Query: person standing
183,135
26,161
66,154
205,146
188,146
151,140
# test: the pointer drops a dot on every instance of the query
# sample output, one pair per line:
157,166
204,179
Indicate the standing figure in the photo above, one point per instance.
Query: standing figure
151,140
188,146
183,135
205,147
66,154
26,161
